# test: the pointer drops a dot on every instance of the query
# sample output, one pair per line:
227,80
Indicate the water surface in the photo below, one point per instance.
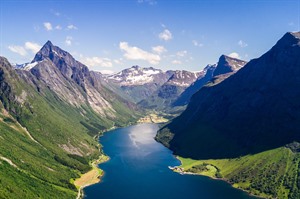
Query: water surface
138,169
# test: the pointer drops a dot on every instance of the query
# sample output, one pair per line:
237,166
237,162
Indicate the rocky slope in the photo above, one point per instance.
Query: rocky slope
163,98
254,110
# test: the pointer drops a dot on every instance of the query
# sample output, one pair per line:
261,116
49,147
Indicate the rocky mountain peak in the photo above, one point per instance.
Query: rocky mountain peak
289,39
228,64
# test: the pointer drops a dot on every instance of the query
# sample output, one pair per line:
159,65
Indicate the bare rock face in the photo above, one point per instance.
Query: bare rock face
71,80
256,109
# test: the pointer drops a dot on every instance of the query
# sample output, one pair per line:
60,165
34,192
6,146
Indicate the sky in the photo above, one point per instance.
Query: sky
111,35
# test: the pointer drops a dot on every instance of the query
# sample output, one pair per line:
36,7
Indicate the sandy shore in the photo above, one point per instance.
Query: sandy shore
91,177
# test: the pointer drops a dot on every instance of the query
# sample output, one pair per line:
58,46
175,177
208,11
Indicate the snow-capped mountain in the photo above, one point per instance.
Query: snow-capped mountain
137,75
183,78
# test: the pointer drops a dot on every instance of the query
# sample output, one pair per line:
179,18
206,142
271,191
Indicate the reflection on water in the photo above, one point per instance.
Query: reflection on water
142,134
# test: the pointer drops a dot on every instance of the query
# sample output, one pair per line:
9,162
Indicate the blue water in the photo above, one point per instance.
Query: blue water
138,169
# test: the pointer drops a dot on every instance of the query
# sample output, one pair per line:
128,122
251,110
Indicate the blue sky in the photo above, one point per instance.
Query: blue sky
110,35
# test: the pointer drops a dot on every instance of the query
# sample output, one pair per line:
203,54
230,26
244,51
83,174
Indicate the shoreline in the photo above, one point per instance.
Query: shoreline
91,177
174,169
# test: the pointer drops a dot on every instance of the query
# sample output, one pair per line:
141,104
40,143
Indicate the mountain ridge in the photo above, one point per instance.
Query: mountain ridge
235,104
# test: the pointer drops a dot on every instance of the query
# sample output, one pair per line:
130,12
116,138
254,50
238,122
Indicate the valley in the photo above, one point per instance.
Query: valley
132,109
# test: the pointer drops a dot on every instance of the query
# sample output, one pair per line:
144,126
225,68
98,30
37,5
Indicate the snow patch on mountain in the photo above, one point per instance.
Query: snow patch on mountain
135,76
26,66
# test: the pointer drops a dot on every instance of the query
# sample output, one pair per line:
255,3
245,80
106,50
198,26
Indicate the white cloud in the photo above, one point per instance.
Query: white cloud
96,61
135,53
196,43
71,27
48,26
176,62
181,53
68,40
242,44
58,27
18,49
33,47
159,49
166,35
23,50
150,2
234,55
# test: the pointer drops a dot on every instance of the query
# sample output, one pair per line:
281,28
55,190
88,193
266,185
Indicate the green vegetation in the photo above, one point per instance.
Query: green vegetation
270,174
46,143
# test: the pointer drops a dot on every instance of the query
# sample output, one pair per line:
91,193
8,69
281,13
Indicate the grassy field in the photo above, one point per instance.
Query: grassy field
270,174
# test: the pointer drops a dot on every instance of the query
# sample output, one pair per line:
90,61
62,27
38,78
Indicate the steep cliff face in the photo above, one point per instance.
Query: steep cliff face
253,110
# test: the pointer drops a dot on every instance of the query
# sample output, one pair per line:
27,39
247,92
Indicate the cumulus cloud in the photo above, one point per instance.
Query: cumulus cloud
181,53
23,50
33,47
176,62
68,41
71,27
234,55
150,2
96,61
196,43
165,35
159,49
18,49
135,53
242,44
48,26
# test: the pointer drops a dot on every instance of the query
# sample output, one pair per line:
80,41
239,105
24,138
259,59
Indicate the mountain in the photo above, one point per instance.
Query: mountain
74,83
228,64
205,75
225,67
49,114
138,83
254,110
163,98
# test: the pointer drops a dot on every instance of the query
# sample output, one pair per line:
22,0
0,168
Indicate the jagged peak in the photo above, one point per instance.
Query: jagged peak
228,64
48,43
